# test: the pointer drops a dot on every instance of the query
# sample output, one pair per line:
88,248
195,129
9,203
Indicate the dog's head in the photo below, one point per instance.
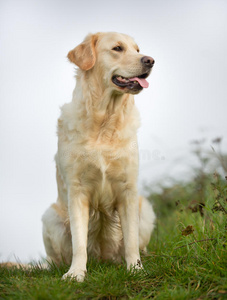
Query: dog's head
116,58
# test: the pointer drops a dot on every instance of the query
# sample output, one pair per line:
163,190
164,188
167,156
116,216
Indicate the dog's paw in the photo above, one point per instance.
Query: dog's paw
137,266
76,274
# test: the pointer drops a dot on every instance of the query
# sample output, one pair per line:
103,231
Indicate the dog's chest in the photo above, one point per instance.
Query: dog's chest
104,173
101,173
104,192
103,166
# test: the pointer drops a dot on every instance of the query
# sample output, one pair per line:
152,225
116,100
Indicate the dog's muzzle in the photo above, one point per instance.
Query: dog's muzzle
138,82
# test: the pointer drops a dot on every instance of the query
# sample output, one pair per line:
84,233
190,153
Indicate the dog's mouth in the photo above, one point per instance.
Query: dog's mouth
136,83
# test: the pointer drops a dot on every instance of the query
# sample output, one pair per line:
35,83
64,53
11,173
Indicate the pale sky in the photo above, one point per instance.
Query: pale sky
186,99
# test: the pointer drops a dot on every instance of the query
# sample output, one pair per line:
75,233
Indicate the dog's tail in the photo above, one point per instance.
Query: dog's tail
17,265
14,265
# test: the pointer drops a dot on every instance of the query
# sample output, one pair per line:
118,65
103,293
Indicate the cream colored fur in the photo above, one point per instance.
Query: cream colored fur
98,211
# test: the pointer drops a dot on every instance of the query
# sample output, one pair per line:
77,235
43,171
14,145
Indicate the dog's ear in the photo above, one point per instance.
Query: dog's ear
84,55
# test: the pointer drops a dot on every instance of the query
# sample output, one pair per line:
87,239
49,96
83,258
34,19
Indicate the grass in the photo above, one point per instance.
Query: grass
187,254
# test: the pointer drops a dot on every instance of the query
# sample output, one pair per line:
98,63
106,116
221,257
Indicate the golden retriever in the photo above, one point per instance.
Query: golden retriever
98,211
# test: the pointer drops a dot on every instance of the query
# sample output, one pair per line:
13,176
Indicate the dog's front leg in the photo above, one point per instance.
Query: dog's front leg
128,209
79,217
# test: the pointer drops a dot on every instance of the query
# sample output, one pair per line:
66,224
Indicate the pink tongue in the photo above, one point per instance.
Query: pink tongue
141,81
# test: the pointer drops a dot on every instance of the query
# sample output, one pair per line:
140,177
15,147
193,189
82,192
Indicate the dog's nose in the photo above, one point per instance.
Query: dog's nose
147,61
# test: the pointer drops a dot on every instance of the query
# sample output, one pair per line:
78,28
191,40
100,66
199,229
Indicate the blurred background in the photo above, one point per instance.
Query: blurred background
185,105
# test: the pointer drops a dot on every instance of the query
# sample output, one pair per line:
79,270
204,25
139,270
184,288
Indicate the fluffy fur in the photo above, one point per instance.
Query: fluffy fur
98,211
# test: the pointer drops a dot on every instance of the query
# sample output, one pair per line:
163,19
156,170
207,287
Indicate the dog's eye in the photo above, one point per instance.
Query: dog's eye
118,49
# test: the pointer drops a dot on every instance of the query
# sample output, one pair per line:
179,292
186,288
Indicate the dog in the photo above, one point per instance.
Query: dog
98,211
